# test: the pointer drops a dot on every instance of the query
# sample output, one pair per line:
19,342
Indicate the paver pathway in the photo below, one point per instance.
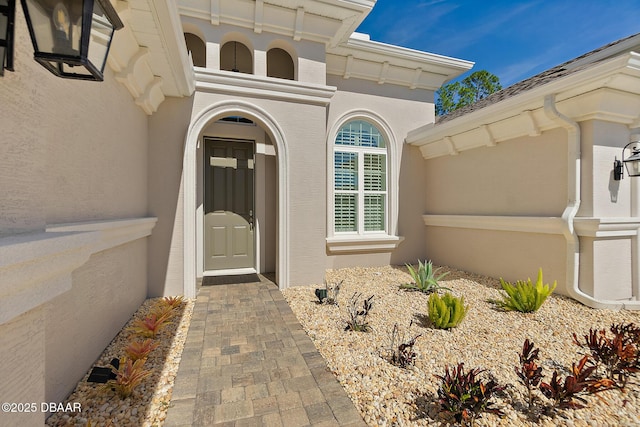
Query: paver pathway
248,362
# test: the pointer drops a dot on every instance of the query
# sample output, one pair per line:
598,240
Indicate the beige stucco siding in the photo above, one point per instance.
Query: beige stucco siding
510,255
167,133
526,176
401,113
71,151
81,323
601,194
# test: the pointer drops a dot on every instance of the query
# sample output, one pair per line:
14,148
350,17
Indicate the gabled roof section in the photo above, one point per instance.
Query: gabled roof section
325,21
627,44
361,58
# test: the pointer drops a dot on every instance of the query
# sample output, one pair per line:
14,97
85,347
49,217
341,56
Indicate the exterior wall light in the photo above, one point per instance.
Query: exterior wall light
7,14
632,163
71,38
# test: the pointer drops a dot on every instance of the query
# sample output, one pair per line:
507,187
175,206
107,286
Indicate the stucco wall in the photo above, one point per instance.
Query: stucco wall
71,151
167,133
402,113
526,177
80,323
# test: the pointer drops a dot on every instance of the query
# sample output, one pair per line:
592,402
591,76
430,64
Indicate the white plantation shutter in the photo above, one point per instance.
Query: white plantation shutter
360,179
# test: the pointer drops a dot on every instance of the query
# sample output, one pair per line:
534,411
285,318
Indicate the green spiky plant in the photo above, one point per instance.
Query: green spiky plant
525,297
425,278
446,312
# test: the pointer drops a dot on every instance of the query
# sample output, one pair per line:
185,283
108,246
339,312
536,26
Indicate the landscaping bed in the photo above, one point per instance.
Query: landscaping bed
487,338
149,401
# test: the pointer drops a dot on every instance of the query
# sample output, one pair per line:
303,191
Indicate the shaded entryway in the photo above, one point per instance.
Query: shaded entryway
247,361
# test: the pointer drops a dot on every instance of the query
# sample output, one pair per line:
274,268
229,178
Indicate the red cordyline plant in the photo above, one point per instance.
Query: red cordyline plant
464,396
614,358
529,373
567,393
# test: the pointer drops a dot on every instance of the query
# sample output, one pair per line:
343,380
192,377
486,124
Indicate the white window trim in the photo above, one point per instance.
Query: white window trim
370,241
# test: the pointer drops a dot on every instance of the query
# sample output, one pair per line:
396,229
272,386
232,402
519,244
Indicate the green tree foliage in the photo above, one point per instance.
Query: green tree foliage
471,89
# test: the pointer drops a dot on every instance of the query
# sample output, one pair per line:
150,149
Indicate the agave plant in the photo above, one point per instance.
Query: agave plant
446,312
524,296
425,278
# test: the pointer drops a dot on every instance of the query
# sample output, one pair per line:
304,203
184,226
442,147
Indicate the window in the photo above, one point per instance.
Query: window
360,179
196,46
280,64
235,56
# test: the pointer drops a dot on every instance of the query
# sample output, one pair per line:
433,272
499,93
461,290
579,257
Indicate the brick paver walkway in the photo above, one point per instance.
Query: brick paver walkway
248,362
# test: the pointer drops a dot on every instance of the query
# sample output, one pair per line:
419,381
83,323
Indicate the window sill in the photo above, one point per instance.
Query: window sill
353,244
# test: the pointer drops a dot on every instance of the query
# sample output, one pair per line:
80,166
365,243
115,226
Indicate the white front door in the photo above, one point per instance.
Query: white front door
228,205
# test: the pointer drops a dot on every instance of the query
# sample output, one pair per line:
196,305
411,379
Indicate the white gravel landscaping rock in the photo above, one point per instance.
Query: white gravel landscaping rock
148,405
487,338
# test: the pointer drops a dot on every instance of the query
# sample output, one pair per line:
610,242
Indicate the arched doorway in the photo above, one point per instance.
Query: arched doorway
195,137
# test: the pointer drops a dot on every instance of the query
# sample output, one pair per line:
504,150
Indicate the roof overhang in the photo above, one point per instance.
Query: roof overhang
365,59
149,56
606,91
325,21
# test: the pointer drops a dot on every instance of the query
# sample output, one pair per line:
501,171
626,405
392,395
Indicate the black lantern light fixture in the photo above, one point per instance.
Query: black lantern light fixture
7,14
632,162
71,38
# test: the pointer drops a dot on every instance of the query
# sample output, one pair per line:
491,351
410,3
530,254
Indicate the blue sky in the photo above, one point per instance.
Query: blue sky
512,39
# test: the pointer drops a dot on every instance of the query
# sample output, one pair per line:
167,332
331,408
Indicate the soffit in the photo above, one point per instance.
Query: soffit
365,59
606,91
148,55
325,21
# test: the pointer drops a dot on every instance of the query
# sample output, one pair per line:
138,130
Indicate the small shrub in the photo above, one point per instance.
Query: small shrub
402,354
150,325
172,301
614,358
358,317
333,289
566,394
524,296
464,396
140,349
529,373
424,278
446,312
128,376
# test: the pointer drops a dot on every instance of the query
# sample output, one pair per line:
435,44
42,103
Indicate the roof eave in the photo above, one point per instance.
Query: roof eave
564,88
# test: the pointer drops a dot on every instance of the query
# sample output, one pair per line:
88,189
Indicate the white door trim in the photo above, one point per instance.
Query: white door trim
189,168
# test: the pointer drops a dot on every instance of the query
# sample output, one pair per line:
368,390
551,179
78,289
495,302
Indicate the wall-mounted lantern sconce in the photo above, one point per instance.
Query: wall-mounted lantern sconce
7,14
632,163
71,38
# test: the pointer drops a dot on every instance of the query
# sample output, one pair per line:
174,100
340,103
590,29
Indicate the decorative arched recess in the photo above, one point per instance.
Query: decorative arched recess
373,243
194,134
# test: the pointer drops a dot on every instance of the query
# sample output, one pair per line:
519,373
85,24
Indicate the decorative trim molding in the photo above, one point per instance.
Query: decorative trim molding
112,233
161,68
231,83
37,267
522,224
341,245
607,227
